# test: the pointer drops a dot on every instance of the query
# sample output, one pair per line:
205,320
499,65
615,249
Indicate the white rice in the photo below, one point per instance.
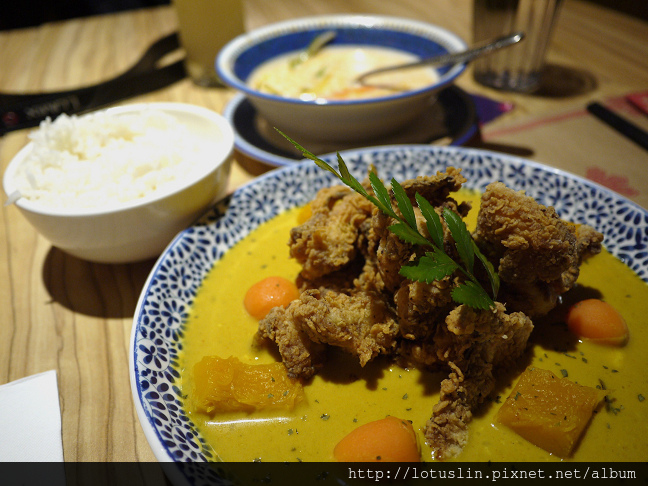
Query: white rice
98,160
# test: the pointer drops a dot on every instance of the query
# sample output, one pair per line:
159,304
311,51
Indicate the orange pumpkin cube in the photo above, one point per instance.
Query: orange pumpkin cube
548,411
227,385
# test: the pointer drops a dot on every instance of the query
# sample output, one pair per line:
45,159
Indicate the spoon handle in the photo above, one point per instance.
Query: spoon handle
454,57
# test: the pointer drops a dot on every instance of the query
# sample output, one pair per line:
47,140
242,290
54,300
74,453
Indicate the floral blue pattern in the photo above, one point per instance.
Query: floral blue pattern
169,292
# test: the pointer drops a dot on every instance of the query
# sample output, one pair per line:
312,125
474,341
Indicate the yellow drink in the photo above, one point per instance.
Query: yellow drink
205,26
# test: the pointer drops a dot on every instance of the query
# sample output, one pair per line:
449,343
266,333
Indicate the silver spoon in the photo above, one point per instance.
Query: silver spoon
452,58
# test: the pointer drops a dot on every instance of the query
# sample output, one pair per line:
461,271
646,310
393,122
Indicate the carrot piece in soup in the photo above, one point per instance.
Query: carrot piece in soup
353,92
268,293
387,440
597,321
227,385
548,411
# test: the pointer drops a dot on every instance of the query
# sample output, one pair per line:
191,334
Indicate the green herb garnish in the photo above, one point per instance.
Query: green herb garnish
435,264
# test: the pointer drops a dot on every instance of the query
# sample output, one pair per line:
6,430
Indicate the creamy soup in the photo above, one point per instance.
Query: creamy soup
343,395
331,73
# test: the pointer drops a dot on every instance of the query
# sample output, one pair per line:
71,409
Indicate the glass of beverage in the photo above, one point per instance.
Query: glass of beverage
204,27
519,67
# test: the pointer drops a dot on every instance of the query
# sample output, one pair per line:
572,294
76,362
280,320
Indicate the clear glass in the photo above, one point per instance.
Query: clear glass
205,26
518,67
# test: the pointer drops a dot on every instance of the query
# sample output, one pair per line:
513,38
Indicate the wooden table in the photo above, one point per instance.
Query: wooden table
59,312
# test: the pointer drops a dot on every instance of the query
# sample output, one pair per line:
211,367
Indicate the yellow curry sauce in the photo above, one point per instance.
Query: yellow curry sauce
343,395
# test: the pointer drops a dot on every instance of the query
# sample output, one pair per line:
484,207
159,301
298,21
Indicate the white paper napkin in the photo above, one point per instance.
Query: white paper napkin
30,420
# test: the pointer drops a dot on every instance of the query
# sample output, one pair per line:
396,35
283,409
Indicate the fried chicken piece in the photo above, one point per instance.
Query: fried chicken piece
330,239
420,353
420,305
353,296
588,243
447,430
529,240
473,343
361,324
437,188
302,357
536,254
369,278
343,280
389,251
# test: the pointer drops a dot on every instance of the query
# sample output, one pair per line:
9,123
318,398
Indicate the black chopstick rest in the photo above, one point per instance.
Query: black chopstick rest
620,124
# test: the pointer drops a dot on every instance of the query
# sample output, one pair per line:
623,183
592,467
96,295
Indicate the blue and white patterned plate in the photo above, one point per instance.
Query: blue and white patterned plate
169,292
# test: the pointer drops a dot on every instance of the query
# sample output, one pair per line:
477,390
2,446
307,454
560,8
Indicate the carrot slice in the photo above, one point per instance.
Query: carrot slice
386,440
269,293
596,320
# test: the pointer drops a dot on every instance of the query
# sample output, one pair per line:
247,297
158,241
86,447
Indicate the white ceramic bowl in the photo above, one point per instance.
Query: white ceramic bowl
338,120
140,229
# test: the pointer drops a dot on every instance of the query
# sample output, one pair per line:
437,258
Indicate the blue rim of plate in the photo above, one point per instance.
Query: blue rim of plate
460,124
167,296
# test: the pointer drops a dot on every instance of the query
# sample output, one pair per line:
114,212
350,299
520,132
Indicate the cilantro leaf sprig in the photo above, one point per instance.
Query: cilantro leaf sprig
435,264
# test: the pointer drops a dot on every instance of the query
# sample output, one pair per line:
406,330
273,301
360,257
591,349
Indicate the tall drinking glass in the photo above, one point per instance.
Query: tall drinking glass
205,26
519,67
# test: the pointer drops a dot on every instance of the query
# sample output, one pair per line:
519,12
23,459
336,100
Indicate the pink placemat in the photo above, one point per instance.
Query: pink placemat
580,143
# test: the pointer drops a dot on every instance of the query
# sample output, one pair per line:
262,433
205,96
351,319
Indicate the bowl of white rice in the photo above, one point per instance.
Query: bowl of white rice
117,185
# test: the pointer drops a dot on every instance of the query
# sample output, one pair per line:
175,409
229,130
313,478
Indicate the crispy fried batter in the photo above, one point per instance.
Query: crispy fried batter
530,241
388,250
537,254
437,188
353,296
472,343
329,239
361,324
420,305
302,356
